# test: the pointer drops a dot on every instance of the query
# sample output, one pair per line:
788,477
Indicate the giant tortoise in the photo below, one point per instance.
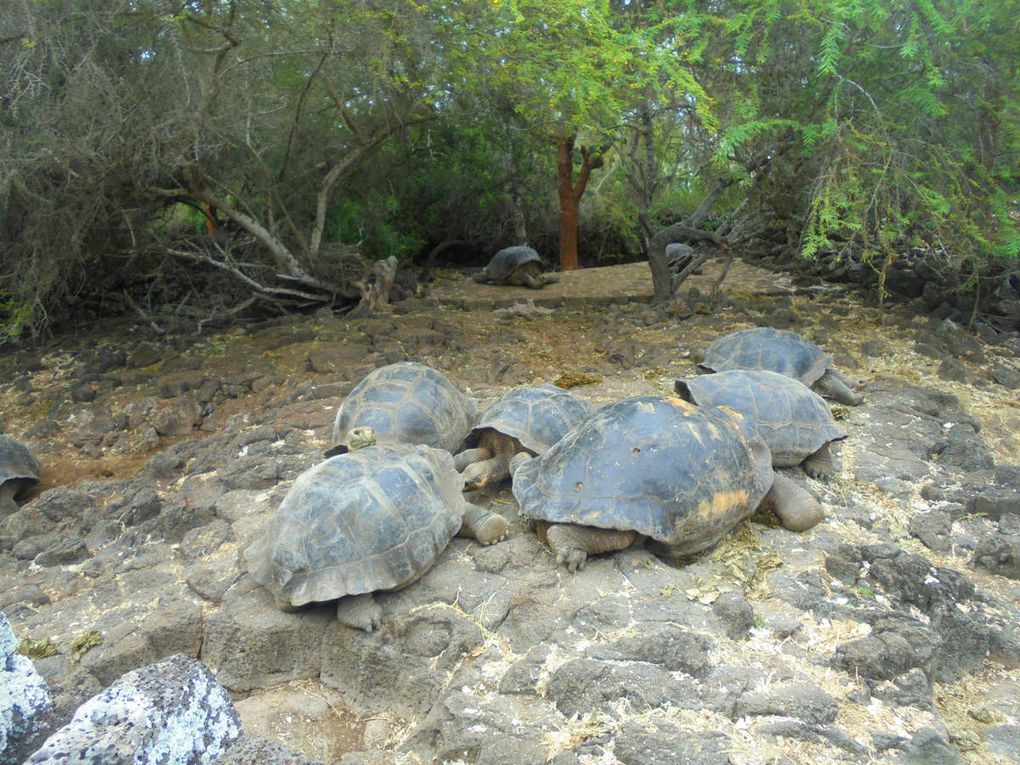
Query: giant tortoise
648,467
405,403
19,472
794,420
373,519
519,265
528,419
780,351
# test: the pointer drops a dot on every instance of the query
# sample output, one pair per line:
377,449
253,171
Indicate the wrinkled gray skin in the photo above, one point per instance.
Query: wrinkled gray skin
794,421
652,468
528,419
19,472
780,351
371,520
405,403
516,266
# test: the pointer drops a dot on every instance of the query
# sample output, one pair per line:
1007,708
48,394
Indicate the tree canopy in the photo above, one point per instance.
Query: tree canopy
220,156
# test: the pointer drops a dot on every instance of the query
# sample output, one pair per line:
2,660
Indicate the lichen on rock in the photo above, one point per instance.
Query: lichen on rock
25,697
170,712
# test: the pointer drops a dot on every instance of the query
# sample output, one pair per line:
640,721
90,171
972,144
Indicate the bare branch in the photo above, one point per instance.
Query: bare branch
145,317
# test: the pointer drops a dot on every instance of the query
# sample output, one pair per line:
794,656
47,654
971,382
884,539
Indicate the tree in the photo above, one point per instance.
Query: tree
571,72
899,121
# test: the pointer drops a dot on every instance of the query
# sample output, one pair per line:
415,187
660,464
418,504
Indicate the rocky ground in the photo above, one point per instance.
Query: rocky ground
888,633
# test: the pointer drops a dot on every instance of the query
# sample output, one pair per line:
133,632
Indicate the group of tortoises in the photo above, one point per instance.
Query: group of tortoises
677,472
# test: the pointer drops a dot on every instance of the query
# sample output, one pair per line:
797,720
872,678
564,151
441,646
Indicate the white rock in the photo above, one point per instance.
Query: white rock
24,697
172,712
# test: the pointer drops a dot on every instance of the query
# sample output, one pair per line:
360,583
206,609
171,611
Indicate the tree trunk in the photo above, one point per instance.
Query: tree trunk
568,205
647,173
663,286
570,194
518,219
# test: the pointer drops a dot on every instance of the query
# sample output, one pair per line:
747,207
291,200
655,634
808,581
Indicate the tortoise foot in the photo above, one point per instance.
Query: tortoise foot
573,558
796,507
819,465
360,612
487,527
285,606
573,544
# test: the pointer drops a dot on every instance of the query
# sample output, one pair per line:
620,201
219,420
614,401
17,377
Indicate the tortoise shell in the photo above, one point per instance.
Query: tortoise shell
407,403
680,474
794,420
19,465
537,416
509,259
373,519
769,349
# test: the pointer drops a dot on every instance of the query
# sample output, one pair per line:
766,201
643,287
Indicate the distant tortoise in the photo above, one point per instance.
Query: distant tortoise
405,403
525,419
779,351
371,520
794,420
679,256
649,467
518,266
19,472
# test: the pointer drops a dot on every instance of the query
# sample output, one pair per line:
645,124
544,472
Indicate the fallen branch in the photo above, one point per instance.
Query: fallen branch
278,293
145,317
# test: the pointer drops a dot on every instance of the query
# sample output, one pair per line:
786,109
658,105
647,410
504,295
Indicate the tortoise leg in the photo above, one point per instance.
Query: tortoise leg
481,277
481,524
833,385
285,606
494,469
468,456
360,612
478,475
573,544
7,504
820,464
796,507
528,279
550,278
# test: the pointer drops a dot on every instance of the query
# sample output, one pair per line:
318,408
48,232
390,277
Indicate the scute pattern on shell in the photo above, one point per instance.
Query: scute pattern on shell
770,349
506,260
794,420
407,403
677,473
373,519
537,416
17,463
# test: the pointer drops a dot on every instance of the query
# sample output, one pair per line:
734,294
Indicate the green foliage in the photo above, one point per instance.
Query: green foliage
374,221
863,127
904,122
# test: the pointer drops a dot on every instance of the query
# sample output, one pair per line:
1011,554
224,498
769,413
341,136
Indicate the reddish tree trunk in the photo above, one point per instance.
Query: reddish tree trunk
210,219
570,194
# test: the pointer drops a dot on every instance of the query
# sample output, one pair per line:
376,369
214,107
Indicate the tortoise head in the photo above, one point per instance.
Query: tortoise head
683,390
359,438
